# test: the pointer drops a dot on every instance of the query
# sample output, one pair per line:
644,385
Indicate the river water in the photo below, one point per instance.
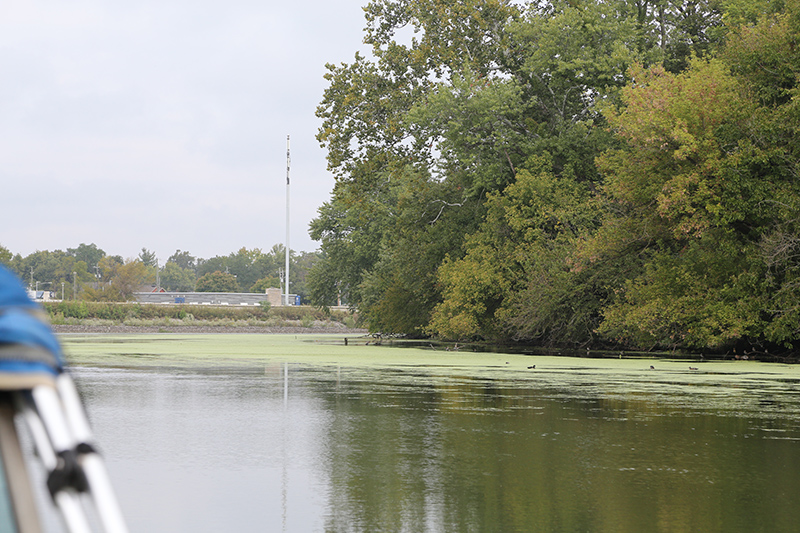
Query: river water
302,448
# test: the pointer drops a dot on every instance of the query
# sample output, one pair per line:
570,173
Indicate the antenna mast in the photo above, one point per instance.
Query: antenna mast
288,164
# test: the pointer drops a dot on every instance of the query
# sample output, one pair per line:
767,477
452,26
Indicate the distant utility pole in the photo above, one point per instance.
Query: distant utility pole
288,164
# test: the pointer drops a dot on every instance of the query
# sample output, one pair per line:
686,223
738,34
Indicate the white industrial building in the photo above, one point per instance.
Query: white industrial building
273,296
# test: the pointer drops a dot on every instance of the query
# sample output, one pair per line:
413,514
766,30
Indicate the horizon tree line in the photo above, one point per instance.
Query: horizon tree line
86,272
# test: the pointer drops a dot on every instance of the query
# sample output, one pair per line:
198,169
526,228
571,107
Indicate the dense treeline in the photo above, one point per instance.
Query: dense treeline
88,273
568,173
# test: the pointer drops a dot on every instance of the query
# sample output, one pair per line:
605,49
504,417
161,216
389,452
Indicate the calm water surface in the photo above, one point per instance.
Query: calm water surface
301,448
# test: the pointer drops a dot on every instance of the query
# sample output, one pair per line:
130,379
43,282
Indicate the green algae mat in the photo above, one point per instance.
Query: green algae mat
246,351
741,388
391,438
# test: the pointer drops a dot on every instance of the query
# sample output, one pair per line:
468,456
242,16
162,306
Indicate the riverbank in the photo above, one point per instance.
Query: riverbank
78,317
206,329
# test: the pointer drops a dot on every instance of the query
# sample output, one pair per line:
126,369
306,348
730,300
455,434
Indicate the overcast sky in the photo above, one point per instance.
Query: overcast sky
162,123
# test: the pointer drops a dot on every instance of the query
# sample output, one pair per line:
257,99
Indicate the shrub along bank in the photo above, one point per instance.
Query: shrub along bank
71,311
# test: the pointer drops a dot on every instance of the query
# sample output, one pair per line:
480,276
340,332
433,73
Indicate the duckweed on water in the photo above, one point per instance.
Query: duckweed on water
530,441
738,385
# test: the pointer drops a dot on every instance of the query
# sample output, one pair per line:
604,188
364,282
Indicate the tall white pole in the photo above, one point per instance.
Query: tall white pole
288,164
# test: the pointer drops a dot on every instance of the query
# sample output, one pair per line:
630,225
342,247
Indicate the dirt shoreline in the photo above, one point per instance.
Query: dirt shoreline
205,329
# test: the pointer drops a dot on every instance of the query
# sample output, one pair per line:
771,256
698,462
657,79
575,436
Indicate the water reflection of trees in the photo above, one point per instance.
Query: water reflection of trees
402,452
473,455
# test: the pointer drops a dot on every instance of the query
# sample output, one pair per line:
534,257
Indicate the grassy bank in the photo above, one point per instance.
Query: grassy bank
136,314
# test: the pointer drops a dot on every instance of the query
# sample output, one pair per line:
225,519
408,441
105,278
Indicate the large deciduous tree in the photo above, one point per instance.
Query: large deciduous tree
452,113
691,195
765,56
183,260
175,278
119,280
515,280
375,149
217,282
88,253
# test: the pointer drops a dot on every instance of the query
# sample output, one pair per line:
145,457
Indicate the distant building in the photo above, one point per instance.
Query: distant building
41,296
273,296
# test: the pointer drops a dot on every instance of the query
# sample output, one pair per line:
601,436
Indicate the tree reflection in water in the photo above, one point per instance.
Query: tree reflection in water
338,449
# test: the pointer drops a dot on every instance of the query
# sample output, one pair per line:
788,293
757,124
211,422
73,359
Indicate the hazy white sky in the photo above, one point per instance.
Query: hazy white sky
163,123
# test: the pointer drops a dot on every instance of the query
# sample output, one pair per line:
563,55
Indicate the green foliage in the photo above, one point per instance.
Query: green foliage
217,282
5,256
692,29
672,192
50,270
70,309
677,175
243,265
118,281
418,138
515,276
478,123
183,260
266,283
90,254
781,252
738,13
104,293
211,265
700,193
148,257
121,312
700,299
251,266
765,55
382,139
174,278
350,229
131,276
110,278
602,173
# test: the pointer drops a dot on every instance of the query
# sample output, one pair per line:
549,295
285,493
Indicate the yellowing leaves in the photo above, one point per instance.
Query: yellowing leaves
669,112
528,229
673,164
